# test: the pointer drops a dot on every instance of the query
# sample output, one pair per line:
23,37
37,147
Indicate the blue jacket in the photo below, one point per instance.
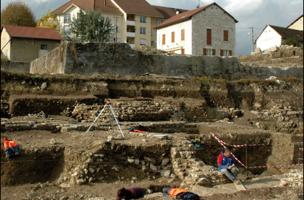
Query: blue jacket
224,162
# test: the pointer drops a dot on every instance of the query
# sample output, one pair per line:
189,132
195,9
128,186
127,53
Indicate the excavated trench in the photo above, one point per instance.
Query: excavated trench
107,162
35,165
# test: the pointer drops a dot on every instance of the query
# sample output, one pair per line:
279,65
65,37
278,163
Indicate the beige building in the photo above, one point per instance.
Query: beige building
134,20
24,44
297,24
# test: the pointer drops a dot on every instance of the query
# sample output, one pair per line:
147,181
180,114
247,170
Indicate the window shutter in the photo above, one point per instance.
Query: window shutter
173,37
226,35
209,37
183,34
164,39
222,52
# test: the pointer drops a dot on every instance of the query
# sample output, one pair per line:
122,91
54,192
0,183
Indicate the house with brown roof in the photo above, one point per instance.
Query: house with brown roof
134,20
272,37
208,30
24,44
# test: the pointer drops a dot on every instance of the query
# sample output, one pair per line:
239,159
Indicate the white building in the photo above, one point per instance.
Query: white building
207,30
275,36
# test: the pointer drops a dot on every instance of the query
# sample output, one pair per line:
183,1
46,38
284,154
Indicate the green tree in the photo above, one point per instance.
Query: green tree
91,27
17,13
48,21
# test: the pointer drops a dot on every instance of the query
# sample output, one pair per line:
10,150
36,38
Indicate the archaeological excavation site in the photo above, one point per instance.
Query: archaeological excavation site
90,120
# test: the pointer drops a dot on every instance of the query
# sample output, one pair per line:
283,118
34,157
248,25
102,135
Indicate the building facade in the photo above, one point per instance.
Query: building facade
274,36
208,30
24,44
134,21
297,24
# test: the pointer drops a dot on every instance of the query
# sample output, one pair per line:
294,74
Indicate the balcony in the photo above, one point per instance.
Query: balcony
132,46
130,23
130,34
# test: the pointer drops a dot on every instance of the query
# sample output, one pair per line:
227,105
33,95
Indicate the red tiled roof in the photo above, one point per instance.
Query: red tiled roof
168,12
188,15
32,32
90,5
138,7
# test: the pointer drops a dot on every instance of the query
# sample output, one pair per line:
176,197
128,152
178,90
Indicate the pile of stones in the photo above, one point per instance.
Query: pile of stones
131,110
94,166
286,120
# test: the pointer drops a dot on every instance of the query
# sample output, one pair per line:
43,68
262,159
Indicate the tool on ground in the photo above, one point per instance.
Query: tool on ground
109,106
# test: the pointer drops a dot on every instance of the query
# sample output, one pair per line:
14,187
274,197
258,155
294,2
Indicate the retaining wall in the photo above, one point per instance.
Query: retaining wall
120,59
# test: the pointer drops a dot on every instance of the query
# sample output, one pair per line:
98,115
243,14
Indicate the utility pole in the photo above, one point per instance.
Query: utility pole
252,38
198,3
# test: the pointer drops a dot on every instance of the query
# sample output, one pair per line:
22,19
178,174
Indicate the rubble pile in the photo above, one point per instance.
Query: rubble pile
152,51
142,110
293,179
284,117
83,112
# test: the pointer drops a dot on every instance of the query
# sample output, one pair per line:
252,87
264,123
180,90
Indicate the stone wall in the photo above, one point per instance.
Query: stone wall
120,59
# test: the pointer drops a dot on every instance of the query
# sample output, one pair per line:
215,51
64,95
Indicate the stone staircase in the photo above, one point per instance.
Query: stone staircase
191,170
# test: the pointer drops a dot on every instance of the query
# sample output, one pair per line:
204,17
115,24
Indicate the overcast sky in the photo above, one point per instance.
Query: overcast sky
249,13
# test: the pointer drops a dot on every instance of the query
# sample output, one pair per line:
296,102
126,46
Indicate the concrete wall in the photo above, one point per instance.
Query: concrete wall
178,44
5,44
15,67
268,39
51,63
217,20
120,59
298,25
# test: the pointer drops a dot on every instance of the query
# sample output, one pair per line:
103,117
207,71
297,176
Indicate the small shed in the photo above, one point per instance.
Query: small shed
24,44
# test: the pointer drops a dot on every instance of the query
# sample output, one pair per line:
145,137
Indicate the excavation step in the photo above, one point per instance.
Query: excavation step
50,104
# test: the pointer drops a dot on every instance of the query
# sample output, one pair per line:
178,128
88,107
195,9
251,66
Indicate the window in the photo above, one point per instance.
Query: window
142,19
142,30
43,47
209,52
142,42
226,35
183,51
182,34
67,18
173,37
163,39
209,36
226,52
